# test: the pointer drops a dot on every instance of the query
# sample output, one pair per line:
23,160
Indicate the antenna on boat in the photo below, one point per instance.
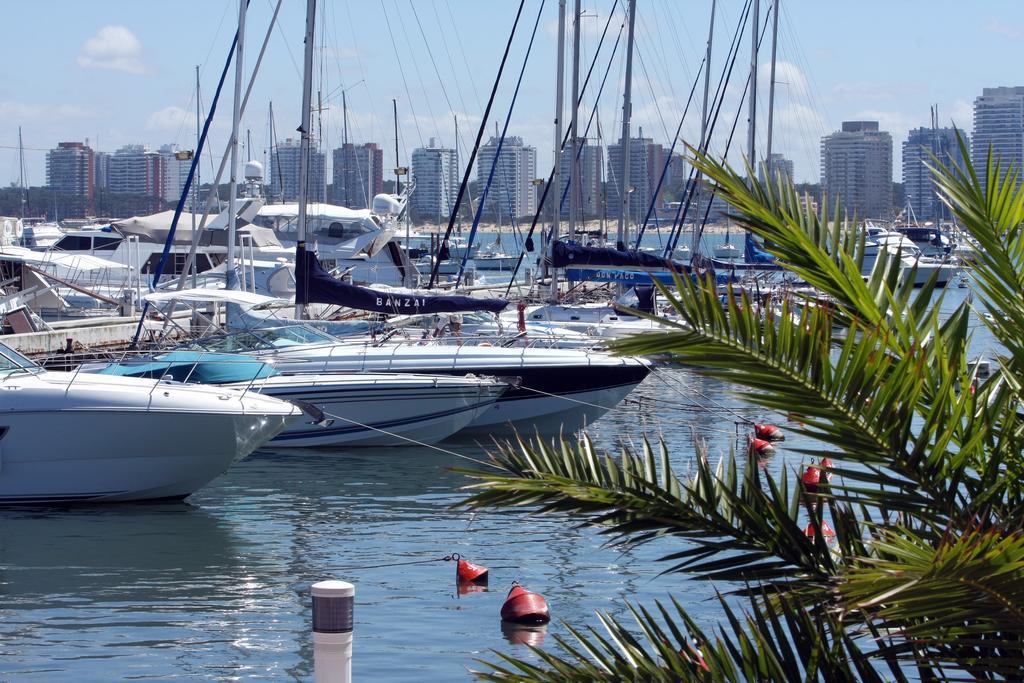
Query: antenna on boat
307,96
21,174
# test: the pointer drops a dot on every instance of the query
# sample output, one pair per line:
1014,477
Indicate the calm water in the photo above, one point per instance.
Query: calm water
217,588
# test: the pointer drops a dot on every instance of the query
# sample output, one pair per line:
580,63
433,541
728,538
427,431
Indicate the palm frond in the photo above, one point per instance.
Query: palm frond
785,643
741,525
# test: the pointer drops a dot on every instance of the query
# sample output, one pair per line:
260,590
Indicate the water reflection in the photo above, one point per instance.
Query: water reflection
523,634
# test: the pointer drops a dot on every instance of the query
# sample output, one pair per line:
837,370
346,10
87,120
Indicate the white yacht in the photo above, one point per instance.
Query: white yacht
77,437
553,389
341,409
361,242
879,238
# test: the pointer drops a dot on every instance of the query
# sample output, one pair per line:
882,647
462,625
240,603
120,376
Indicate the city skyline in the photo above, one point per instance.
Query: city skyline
121,81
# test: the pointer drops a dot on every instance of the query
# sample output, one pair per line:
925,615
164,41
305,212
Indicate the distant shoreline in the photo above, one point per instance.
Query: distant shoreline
492,228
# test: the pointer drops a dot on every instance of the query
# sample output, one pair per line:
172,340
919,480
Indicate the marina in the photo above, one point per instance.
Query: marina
280,404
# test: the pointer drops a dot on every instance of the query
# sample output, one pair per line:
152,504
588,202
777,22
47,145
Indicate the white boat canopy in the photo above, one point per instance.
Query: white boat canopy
52,258
207,295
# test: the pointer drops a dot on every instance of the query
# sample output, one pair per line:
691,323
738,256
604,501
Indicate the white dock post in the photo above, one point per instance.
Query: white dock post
332,631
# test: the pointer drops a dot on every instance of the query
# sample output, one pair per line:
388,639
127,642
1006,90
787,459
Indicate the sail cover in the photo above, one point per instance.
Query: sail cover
314,285
753,253
568,254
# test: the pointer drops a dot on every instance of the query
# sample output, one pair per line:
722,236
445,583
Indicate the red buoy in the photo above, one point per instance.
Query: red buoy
826,466
524,607
811,479
826,531
467,571
761,447
769,433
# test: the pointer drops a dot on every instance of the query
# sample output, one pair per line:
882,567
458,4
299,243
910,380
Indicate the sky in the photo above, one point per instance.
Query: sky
123,72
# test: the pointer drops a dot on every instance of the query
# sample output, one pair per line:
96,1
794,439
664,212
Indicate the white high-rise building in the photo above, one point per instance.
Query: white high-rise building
591,160
777,165
284,173
436,180
921,144
511,188
856,166
999,126
176,165
134,169
641,184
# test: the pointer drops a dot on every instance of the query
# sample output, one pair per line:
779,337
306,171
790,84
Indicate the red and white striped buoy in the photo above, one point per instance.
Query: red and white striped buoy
826,531
525,607
768,432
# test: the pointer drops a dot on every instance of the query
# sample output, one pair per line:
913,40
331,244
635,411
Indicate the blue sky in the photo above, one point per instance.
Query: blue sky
120,72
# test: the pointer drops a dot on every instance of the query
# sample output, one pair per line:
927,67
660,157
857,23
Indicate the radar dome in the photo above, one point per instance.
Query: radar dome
253,170
386,204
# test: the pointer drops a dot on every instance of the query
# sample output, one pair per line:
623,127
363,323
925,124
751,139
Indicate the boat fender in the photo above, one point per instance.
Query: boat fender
769,432
319,418
761,447
525,607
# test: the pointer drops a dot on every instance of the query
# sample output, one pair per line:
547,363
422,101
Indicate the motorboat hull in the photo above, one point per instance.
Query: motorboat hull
115,455
380,409
80,437
555,390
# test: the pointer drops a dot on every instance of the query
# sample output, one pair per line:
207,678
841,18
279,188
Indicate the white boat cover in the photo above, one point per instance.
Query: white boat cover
52,258
321,210
207,295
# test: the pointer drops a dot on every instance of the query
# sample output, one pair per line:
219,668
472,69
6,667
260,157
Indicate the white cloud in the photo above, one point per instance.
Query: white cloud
170,119
961,113
789,79
27,112
1012,31
114,48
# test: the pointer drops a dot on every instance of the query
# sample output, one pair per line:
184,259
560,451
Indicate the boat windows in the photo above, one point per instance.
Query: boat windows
12,360
105,243
74,243
345,231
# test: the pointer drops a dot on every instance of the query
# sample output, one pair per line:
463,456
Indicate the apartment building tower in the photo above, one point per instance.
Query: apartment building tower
856,166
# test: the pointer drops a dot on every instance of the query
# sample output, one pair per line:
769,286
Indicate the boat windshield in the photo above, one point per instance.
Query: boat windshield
264,340
12,360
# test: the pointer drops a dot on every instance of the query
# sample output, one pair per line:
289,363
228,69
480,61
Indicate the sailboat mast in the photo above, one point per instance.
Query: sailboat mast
574,168
235,119
752,116
559,109
622,236
304,129
771,86
199,132
698,179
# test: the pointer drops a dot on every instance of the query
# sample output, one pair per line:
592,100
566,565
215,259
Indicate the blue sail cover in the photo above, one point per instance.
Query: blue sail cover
568,254
753,253
314,285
